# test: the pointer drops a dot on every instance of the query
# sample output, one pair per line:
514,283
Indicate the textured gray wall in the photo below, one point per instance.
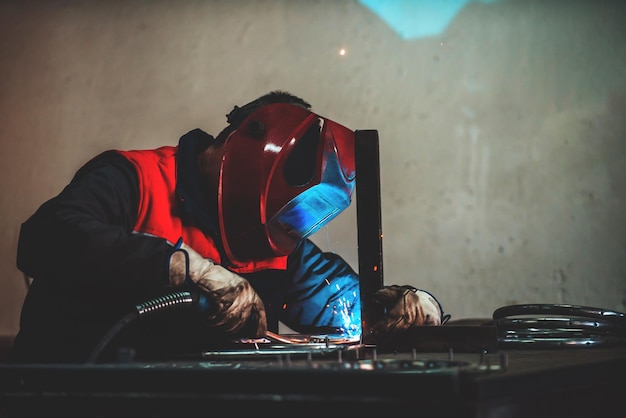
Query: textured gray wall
503,140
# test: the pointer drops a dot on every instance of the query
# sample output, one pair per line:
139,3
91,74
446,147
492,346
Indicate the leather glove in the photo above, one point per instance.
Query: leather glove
405,307
234,303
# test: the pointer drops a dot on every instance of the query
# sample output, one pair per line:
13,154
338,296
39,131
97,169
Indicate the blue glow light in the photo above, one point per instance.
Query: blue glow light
311,210
413,19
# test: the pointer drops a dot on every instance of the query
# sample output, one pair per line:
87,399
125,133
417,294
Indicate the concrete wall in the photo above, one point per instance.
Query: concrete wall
503,139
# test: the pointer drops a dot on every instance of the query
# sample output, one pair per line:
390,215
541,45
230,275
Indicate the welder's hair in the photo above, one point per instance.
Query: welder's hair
239,114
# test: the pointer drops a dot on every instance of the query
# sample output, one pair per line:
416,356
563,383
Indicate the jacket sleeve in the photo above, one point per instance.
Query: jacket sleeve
324,291
83,236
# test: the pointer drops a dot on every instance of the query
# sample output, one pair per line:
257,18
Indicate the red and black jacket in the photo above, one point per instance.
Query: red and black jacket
160,211
94,255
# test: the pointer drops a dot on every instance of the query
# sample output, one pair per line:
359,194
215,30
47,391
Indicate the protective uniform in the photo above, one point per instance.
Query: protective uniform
114,236
161,213
83,239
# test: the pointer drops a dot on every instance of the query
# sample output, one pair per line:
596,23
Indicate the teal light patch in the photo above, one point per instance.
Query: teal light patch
413,19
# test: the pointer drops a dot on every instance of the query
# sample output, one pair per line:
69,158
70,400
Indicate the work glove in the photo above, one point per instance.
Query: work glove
233,302
405,307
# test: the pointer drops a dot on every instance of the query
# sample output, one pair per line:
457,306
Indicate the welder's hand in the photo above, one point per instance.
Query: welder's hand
404,307
234,303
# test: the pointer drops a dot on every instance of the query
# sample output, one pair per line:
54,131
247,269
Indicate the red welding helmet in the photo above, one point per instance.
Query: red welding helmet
286,172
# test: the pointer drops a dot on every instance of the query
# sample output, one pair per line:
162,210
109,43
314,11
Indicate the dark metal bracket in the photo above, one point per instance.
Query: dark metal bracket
369,225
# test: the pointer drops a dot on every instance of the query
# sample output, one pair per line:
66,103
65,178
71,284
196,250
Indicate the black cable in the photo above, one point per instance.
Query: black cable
189,299
104,341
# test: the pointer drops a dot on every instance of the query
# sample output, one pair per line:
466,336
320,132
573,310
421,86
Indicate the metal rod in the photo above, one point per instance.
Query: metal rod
369,226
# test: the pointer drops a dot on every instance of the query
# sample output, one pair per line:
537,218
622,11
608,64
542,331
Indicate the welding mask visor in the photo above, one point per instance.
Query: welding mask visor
286,172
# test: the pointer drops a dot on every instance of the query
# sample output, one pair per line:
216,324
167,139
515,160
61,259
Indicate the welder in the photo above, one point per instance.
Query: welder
228,216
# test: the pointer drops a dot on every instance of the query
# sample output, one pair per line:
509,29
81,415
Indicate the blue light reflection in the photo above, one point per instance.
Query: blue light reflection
413,19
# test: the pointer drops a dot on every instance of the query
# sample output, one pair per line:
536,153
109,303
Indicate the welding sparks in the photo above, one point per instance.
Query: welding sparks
351,318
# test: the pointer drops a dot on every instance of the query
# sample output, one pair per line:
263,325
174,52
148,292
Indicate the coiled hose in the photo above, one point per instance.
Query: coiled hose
186,299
